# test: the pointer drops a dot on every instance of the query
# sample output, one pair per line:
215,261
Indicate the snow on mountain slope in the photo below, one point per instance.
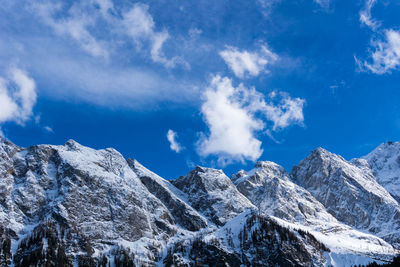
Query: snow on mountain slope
171,197
350,194
385,164
213,194
268,186
250,239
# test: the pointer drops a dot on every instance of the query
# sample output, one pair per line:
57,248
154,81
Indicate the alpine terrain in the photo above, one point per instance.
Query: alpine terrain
71,205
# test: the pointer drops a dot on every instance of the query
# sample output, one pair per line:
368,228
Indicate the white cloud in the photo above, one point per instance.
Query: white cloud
17,97
231,124
234,116
173,143
386,56
242,62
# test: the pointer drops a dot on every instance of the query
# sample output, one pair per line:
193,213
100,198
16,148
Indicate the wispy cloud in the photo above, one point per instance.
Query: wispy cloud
48,129
81,20
17,96
234,116
173,142
323,3
244,63
75,24
386,56
366,17
140,26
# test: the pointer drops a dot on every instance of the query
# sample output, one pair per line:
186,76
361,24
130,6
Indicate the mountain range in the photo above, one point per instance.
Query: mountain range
71,205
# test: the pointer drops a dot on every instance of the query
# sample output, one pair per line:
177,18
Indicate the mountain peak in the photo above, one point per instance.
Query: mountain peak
213,194
322,153
267,165
72,144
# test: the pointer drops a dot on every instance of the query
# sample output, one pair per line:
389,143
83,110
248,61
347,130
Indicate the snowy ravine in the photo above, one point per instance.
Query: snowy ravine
71,205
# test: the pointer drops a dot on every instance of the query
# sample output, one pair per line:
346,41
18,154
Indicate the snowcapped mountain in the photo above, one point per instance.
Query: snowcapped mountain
384,162
71,205
350,193
270,188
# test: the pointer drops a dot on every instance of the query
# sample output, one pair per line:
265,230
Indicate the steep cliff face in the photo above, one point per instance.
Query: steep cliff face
171,197
213,194
351,194
95,194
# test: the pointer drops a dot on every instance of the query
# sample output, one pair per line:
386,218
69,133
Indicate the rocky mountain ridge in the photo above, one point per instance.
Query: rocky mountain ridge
71,205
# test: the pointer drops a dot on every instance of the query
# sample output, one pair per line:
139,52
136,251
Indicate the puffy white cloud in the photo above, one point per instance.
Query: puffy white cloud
17,97
234,116
173,143
386,56
230,123
242,62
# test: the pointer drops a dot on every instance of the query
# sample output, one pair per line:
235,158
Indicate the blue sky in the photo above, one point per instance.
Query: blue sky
221,84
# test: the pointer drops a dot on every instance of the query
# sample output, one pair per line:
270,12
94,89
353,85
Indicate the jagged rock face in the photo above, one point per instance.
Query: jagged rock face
213,194
350,194
169,195
384,162
93,192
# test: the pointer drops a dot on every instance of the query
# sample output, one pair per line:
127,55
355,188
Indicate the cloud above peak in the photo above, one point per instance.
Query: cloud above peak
173,142
245,63
236,115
